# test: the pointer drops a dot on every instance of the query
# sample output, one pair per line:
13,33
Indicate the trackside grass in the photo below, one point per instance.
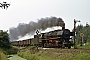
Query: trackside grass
56,54
2,56
82,56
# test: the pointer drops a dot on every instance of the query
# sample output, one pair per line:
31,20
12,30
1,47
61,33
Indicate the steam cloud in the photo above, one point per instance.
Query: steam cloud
22,29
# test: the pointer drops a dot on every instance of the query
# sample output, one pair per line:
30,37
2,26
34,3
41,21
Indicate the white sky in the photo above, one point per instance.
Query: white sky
24,11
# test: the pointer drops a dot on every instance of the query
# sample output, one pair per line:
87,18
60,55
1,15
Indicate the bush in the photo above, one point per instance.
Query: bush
31,47
12,50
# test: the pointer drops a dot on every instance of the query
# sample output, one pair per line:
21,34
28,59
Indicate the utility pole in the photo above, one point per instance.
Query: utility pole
75,21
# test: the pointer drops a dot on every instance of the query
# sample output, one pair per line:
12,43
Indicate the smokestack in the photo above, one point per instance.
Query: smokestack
23,29
63,27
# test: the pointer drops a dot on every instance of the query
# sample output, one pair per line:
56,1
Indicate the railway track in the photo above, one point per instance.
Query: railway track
73,51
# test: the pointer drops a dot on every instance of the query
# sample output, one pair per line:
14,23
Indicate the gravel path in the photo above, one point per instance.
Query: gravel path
15,57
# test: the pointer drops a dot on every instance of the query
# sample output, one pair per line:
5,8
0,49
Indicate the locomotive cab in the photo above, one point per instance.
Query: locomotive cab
65,39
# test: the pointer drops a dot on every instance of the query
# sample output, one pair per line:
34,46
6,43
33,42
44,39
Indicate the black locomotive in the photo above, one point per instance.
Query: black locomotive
57,38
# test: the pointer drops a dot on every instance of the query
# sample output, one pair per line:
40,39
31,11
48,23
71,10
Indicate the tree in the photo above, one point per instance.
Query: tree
85,30
78,31
4,39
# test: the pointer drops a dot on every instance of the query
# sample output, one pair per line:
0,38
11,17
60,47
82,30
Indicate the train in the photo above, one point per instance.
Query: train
60,38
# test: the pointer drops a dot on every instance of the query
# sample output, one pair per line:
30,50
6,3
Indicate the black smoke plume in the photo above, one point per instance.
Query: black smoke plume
22,29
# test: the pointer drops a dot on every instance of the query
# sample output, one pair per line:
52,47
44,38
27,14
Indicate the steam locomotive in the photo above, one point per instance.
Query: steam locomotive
57,38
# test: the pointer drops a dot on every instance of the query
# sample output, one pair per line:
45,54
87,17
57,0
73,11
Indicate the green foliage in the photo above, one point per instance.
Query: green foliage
31,47
85,30
79,27
4,39
12,50
87,46
5,43
78,31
